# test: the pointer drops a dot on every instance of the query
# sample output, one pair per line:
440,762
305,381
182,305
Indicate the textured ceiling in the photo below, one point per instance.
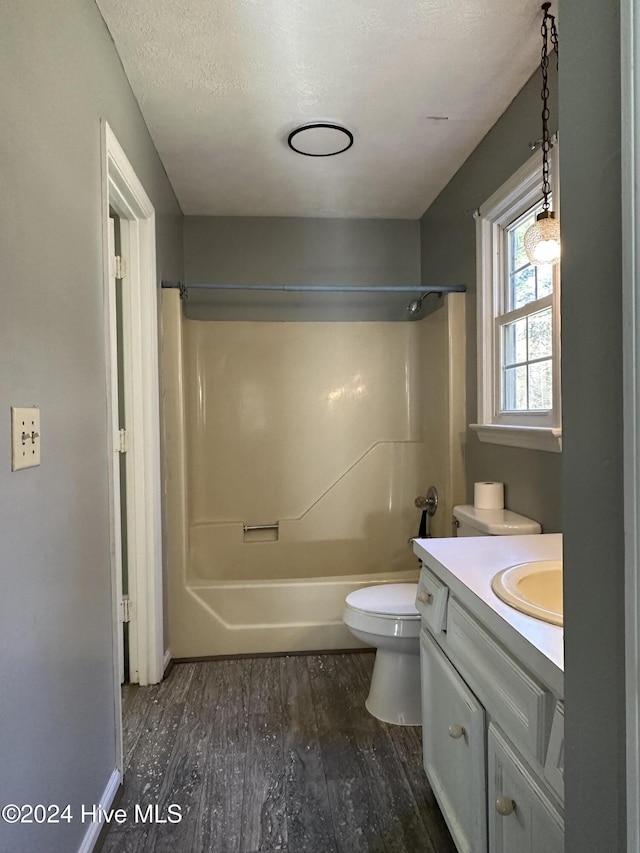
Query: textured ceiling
221,83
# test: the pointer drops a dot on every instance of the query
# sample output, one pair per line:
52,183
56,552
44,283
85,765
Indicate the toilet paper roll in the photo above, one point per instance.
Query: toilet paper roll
488,495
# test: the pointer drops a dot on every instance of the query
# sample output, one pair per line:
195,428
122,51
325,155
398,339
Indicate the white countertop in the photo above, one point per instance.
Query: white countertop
467,564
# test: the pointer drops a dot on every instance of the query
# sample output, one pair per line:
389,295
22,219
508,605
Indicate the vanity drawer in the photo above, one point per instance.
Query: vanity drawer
519,704
431,601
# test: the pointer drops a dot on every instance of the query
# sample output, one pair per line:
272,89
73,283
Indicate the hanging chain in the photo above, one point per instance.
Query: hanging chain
546,139
554,38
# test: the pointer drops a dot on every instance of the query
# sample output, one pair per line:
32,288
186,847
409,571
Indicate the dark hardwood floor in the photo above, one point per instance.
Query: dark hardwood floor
272,754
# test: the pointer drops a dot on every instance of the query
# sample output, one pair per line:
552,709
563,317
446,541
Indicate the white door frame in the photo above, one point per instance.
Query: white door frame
122,190
630,88
115,486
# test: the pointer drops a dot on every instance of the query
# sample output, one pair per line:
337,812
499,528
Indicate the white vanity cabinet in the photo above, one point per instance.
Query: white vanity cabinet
522,817
453,746
492,732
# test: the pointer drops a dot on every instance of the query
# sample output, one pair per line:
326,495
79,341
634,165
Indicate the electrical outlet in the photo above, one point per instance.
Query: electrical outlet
25,438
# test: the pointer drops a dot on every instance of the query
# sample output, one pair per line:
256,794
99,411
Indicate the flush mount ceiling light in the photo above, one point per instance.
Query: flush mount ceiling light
542,239
320,139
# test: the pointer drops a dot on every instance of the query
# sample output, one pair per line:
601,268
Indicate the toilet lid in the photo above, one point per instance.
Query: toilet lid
389,599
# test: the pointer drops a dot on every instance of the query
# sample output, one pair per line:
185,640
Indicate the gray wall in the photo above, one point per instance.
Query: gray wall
60,75
592,413
580,491
280,250
448,256
295,251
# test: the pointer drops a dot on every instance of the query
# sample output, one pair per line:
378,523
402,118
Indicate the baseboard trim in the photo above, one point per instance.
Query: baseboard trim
92,835
363,650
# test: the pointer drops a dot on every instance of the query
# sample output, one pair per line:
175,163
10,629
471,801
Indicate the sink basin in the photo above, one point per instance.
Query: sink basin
533,588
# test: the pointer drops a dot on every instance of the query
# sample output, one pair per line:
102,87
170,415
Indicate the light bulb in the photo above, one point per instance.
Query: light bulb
542,239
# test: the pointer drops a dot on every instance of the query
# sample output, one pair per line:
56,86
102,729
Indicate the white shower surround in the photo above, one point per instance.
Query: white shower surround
296,608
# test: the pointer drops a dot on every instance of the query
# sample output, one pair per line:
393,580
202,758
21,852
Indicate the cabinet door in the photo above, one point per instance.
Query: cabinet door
453,738
522,817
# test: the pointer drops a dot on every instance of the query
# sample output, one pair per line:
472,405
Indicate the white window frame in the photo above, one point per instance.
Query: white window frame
533,430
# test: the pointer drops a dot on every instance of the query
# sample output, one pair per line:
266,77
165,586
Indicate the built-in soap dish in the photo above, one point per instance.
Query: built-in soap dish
261,532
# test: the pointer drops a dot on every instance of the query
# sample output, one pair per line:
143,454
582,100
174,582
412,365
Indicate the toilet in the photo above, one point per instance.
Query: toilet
385,617
470,521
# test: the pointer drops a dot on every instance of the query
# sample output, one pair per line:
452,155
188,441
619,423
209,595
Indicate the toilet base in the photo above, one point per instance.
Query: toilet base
394,695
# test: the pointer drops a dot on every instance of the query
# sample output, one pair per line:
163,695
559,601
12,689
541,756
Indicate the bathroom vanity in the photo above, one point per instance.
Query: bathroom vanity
492,698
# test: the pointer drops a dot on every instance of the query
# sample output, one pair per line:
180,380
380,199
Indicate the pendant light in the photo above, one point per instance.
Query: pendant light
542,239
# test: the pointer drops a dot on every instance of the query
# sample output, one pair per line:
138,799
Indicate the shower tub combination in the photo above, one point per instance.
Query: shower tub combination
294,454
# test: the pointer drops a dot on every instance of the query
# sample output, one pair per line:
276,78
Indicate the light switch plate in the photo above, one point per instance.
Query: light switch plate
25,438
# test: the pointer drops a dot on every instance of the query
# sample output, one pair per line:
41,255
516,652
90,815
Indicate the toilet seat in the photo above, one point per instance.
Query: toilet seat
387,599
387,610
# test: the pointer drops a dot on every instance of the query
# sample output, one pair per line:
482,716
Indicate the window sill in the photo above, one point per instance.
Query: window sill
530,438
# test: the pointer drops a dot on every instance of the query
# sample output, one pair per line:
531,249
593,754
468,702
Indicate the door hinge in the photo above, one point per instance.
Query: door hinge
122,441
119,267
127,609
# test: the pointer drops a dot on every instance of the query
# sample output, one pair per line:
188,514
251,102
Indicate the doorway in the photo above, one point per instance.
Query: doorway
133,411
127,662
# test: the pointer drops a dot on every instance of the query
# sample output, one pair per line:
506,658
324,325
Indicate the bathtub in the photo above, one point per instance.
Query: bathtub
248,617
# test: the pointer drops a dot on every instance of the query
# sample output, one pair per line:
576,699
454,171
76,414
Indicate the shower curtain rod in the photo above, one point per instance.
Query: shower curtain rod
312,288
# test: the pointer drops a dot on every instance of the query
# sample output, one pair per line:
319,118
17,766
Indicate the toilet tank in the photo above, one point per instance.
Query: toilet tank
492,522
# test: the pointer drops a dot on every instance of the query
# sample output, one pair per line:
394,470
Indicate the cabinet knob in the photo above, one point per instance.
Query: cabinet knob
424,596
505,806
456,732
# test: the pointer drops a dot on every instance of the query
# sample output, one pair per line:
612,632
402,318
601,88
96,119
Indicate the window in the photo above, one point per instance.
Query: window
518,320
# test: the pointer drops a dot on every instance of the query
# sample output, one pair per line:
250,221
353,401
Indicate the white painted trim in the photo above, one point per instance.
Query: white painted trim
115,502
123,190
166,661
530,438
520,192
486,311
112,480
516,191
630,80
106,801
140,306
